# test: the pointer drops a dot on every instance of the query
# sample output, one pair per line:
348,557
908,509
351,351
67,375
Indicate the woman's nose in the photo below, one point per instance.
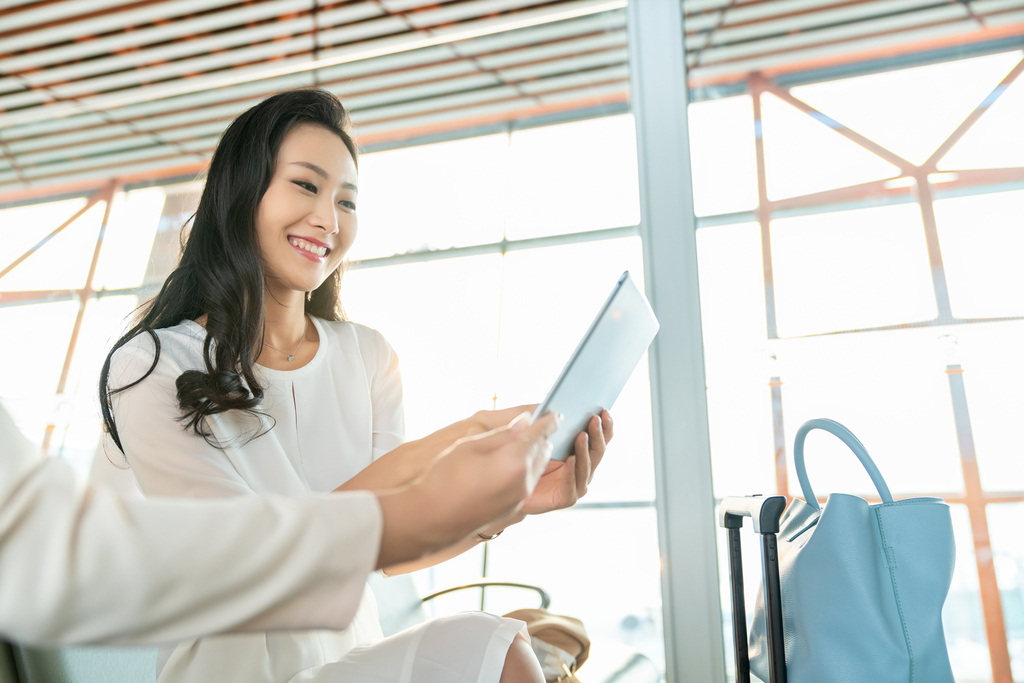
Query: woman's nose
325,217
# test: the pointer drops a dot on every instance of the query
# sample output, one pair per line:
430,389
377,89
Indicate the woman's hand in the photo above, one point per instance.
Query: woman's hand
476,480
563,483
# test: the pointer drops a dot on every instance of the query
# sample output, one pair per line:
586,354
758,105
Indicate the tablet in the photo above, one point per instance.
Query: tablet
601,364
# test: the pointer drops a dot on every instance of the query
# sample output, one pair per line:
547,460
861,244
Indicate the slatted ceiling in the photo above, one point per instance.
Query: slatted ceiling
988,6
596,84
170,51
731,61
158,96
744,28
590,25
57,26
374,28
153,35
729,48
727,39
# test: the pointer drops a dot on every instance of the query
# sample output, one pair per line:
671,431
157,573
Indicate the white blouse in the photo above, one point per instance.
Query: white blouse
321,424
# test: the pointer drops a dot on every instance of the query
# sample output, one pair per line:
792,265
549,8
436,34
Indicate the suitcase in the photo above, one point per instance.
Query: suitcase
765,512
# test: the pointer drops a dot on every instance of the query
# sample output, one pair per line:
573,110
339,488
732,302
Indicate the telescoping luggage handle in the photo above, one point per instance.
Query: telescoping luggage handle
765,513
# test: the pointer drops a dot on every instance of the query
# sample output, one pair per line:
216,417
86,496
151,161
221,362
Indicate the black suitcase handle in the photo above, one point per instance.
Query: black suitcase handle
765,512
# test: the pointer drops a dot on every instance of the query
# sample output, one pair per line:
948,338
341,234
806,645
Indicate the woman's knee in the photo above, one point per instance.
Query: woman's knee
521,665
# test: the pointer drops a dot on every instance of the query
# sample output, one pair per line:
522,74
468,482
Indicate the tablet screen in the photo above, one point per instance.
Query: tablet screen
601,364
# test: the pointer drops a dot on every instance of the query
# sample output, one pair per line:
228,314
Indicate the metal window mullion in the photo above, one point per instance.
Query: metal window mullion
694,645
974,500
84,295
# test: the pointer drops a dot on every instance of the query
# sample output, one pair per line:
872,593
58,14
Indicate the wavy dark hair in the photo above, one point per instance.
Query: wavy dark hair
220,273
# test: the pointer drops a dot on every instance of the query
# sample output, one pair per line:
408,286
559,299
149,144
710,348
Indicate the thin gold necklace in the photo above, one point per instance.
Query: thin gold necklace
291,356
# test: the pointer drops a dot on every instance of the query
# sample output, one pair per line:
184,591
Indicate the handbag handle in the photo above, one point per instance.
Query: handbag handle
847,437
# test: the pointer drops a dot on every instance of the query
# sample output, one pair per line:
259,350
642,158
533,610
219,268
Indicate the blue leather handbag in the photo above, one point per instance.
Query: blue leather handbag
862,585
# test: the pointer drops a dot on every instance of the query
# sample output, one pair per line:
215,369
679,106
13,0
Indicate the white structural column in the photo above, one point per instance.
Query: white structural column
685,502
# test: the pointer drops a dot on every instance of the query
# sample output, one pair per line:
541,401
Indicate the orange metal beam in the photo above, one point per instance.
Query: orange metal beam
78,214
89,186
764,211
991,603
870,145
932,163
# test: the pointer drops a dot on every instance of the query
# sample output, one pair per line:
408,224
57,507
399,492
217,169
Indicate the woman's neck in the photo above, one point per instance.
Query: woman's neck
289,342
284,319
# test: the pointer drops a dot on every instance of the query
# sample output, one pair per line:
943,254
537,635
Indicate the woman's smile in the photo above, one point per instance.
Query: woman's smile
314,250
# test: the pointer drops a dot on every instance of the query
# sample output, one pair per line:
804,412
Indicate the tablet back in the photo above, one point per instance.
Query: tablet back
601,364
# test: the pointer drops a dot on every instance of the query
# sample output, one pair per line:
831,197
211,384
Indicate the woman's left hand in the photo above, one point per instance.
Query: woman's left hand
563,483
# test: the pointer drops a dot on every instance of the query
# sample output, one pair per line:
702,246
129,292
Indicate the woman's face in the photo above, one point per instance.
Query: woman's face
306,220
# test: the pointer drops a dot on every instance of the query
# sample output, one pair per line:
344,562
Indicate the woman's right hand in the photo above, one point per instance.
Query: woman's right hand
478,479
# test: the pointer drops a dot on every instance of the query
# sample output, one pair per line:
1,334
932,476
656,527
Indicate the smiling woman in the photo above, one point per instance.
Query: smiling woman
246,346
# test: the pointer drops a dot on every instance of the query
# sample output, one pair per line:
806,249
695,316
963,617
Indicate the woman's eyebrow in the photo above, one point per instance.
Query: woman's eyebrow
322,173
312,167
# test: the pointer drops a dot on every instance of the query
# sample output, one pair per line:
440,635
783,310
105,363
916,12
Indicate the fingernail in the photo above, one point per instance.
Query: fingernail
520,423
522,417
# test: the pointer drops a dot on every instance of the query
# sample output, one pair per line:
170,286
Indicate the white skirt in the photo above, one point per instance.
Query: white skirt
462,648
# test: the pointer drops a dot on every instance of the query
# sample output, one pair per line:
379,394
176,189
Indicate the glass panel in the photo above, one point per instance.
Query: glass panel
23,226
849,270
619,599
445,332
128,239
910,111
736,360
63,262
996,404
457,571
891,390
573,177
804,156
34,361
996,140
179,205
722,155
982,244
448,194
962,618
551,295
1004,524
77,436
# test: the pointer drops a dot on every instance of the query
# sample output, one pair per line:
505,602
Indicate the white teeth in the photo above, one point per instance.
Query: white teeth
308,246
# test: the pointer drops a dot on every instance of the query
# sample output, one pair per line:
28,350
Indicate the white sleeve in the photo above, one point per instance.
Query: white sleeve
81,565
386,398
167,458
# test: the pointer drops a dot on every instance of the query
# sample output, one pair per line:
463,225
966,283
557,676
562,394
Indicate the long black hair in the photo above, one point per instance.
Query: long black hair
220,273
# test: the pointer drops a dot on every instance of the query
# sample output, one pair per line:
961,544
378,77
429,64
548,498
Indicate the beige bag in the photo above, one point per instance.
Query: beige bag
564,633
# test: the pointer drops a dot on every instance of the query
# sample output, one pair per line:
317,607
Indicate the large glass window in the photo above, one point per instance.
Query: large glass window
876,281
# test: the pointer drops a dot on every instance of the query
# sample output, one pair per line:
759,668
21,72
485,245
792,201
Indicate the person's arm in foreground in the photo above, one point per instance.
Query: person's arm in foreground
81,565
561,485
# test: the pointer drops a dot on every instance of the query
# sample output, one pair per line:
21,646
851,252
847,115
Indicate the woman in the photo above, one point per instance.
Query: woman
248,380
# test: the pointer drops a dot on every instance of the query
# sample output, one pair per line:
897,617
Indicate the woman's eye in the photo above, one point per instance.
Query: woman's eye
351,206
309,187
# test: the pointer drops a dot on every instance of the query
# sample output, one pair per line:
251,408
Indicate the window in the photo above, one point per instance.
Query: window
877,283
